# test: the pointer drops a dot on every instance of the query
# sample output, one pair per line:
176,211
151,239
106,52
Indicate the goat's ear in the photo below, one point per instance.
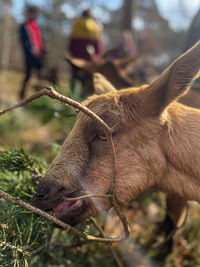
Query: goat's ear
102,85
173,82
77,62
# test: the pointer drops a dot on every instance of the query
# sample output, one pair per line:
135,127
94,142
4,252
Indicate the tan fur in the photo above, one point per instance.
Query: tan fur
157,142
102,86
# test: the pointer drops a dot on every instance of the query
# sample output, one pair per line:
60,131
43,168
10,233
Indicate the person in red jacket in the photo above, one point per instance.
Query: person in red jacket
85,42
32,45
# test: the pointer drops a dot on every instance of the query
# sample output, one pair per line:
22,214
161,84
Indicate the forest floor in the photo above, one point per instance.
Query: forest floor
36,126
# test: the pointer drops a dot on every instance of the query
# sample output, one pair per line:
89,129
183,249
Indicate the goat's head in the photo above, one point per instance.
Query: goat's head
136,115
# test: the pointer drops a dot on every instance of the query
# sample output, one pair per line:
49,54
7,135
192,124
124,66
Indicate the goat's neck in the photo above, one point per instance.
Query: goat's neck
182,150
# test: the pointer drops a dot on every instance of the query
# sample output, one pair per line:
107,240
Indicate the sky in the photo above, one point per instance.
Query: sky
179,13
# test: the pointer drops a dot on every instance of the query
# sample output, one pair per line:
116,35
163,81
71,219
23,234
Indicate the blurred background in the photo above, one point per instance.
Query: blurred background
158,27
151,34
159,32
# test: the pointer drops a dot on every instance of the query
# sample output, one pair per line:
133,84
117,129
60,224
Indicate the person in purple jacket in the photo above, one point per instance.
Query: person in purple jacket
85,42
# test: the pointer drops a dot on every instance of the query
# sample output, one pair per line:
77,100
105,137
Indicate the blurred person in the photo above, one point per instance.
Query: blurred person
85,42
32,45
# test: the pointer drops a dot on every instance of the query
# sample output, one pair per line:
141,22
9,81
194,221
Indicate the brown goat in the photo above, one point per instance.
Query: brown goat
156,140
112,70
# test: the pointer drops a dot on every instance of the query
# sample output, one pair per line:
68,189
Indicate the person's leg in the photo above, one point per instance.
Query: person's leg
38,65
28,67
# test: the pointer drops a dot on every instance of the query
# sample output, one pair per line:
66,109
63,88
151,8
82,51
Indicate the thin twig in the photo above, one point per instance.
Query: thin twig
113,162
37,250
85,196
120,215
116,257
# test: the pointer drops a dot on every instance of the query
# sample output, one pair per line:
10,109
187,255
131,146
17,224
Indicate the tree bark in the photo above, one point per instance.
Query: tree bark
6,41
193,32
128,8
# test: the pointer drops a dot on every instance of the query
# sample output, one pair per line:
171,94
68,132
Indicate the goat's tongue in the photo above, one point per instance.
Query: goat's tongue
59,208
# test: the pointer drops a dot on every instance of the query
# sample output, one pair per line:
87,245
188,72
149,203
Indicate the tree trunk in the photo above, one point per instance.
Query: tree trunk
6,41
193,32
128,8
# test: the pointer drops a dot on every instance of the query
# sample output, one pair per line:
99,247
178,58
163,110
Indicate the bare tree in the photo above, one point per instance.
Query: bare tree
127,16
6,40
193,32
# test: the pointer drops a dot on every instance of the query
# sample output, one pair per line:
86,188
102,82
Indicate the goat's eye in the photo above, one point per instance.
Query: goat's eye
102,136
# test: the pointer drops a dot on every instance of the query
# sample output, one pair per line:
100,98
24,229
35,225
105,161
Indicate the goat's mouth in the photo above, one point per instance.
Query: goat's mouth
71,211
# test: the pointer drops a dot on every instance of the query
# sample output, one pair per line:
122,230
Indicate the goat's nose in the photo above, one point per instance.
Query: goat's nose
42,192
